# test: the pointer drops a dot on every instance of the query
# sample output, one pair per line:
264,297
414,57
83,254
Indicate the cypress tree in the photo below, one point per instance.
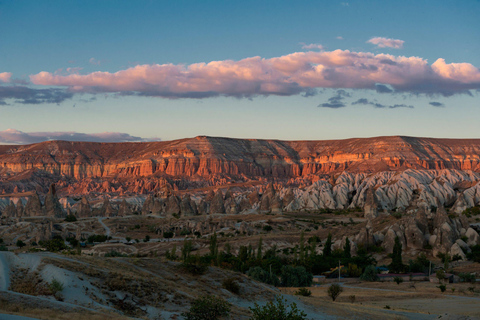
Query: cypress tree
302,248
347,249
259,251
327,250
397,264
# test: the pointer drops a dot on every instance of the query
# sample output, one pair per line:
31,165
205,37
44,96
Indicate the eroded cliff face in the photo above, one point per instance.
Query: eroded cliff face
207,156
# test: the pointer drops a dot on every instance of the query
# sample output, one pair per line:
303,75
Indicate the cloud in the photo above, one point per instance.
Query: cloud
12,136
436,104
339,38
286,75
94,62
5,76
377,105
386,43
344,4
336,101
25,95
312,46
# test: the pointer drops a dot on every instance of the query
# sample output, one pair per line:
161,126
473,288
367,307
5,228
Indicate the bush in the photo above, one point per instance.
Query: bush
231,285
467,277
277,310
352,298
442,287
113,254
334,291
20,244
398,280
194,268
97,238
54,245
168,234
70,218
303,292
147,238
208,308
55,286
354,270
3,247
370,274
259,274
267,228
295,277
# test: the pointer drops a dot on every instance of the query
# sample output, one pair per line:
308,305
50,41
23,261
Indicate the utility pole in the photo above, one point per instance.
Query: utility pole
429,270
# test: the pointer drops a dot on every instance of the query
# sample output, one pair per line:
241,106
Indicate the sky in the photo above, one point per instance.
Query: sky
291,70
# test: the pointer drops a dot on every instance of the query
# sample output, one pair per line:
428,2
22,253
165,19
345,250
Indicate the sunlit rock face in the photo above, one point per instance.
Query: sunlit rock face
206,156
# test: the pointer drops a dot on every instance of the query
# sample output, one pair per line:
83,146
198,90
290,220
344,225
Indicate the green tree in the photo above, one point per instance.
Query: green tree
259,274
208,308
370,274
347,249
20,244
397,264
186,250
213,246
295,277
277,310
334,291
259,249
327,250
302,247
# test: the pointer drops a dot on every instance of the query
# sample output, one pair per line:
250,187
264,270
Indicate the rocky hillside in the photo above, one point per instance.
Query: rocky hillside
206,156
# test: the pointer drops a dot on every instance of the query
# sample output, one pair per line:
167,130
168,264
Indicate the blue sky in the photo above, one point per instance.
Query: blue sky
67,39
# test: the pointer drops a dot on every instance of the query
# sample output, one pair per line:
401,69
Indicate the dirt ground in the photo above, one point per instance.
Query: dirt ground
387,300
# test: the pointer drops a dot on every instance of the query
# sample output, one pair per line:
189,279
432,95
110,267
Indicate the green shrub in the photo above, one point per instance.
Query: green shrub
259,274
20,244
442,287
277,310
54,245
334,291
295,277
208,308
113,254
55,286
303,292
194,268
467,277
168,234
370,274
231,285
3,247
267,228
398,280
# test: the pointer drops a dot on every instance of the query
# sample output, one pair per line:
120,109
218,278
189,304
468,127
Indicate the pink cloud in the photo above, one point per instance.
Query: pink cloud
286,75
387,43
5,76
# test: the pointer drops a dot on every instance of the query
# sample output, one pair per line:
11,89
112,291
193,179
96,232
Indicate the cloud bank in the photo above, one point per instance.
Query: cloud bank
12,136
25,95
387,43
291,74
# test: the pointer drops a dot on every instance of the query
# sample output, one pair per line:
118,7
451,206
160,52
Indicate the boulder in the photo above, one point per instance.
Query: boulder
472,237
456,250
